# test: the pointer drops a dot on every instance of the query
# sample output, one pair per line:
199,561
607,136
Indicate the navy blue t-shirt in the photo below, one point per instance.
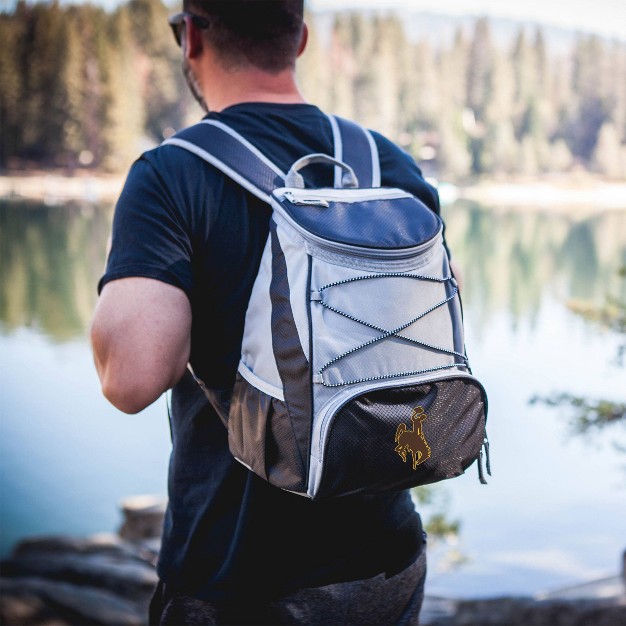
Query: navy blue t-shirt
229,534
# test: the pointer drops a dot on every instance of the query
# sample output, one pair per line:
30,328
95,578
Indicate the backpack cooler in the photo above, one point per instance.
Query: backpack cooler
353,374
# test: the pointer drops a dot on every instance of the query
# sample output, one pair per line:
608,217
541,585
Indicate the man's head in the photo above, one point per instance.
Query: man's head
265,34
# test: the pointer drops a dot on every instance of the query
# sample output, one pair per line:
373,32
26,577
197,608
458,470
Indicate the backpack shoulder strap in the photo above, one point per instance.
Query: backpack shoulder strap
232,154
355,146
235,156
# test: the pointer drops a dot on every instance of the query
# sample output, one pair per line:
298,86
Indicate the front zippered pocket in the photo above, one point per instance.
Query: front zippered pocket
342,399
368,223
351,250
400,437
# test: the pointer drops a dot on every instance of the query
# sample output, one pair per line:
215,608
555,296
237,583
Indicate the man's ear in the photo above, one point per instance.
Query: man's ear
303,39
192,40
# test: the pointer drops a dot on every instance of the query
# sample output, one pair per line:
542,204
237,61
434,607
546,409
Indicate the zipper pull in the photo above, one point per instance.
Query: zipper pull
487,460
305,201
481,473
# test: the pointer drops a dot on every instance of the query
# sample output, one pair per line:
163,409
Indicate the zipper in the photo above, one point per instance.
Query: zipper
349,249
301,196
306,201
330,410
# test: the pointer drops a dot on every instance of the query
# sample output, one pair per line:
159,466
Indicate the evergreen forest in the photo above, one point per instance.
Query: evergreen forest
81,87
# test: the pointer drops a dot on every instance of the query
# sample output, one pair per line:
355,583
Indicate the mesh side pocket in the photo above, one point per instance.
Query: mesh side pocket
404,437
260,435
285,466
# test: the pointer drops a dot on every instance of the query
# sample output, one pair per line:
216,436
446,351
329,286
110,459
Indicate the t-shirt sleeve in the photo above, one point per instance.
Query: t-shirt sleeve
399,169
151,233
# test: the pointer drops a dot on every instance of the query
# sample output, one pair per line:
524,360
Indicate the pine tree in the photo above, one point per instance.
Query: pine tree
43,102
426,78
363,36
165,94
124,112
591,110
480,89
608,155
390,46
453,156
93,25
314,71
501,151
11,86
480,69
71,141
343,65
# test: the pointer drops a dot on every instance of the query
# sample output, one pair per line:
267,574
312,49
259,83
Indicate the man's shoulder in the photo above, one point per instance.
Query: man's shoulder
168,158
175,171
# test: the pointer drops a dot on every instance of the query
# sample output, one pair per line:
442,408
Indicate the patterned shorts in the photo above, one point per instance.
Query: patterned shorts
396,600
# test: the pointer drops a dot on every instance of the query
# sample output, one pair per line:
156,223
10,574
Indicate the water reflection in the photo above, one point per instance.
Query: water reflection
51,259
512,259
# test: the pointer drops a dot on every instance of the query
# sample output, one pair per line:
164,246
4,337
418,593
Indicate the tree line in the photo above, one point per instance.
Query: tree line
82,87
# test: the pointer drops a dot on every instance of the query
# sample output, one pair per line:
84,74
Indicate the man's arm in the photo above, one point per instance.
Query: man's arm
140,336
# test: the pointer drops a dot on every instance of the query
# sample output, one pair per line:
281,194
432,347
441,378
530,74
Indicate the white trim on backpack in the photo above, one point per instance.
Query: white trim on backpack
338,147
375,159
259,383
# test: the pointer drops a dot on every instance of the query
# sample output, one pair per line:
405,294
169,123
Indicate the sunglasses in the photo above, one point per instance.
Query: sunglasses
177,23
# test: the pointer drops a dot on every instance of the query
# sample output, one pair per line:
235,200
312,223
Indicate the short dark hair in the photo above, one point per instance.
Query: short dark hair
262,33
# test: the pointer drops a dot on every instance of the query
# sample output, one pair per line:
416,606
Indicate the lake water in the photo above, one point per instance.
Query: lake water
554,511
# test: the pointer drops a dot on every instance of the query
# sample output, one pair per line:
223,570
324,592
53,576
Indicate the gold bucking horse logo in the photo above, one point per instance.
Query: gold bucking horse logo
413,441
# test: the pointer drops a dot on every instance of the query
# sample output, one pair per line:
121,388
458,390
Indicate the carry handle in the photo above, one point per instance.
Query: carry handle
296,181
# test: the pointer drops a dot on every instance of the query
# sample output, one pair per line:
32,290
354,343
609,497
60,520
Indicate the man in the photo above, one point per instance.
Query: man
186,246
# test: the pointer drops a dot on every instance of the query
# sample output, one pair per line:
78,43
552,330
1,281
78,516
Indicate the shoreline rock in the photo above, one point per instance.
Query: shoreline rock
68,581
525,611
108,579
105,579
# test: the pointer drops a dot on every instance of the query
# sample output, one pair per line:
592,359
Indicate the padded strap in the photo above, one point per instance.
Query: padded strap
235,156
232,154
355,146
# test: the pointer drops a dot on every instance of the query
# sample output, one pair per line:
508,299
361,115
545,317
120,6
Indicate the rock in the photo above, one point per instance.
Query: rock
104,579
436,610
143,517
108,579
38,601
102,544
44,572
530,612
127,578
26,607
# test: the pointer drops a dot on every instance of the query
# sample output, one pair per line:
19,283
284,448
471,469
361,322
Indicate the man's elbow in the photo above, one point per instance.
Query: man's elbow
132,393
127,397
122,390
